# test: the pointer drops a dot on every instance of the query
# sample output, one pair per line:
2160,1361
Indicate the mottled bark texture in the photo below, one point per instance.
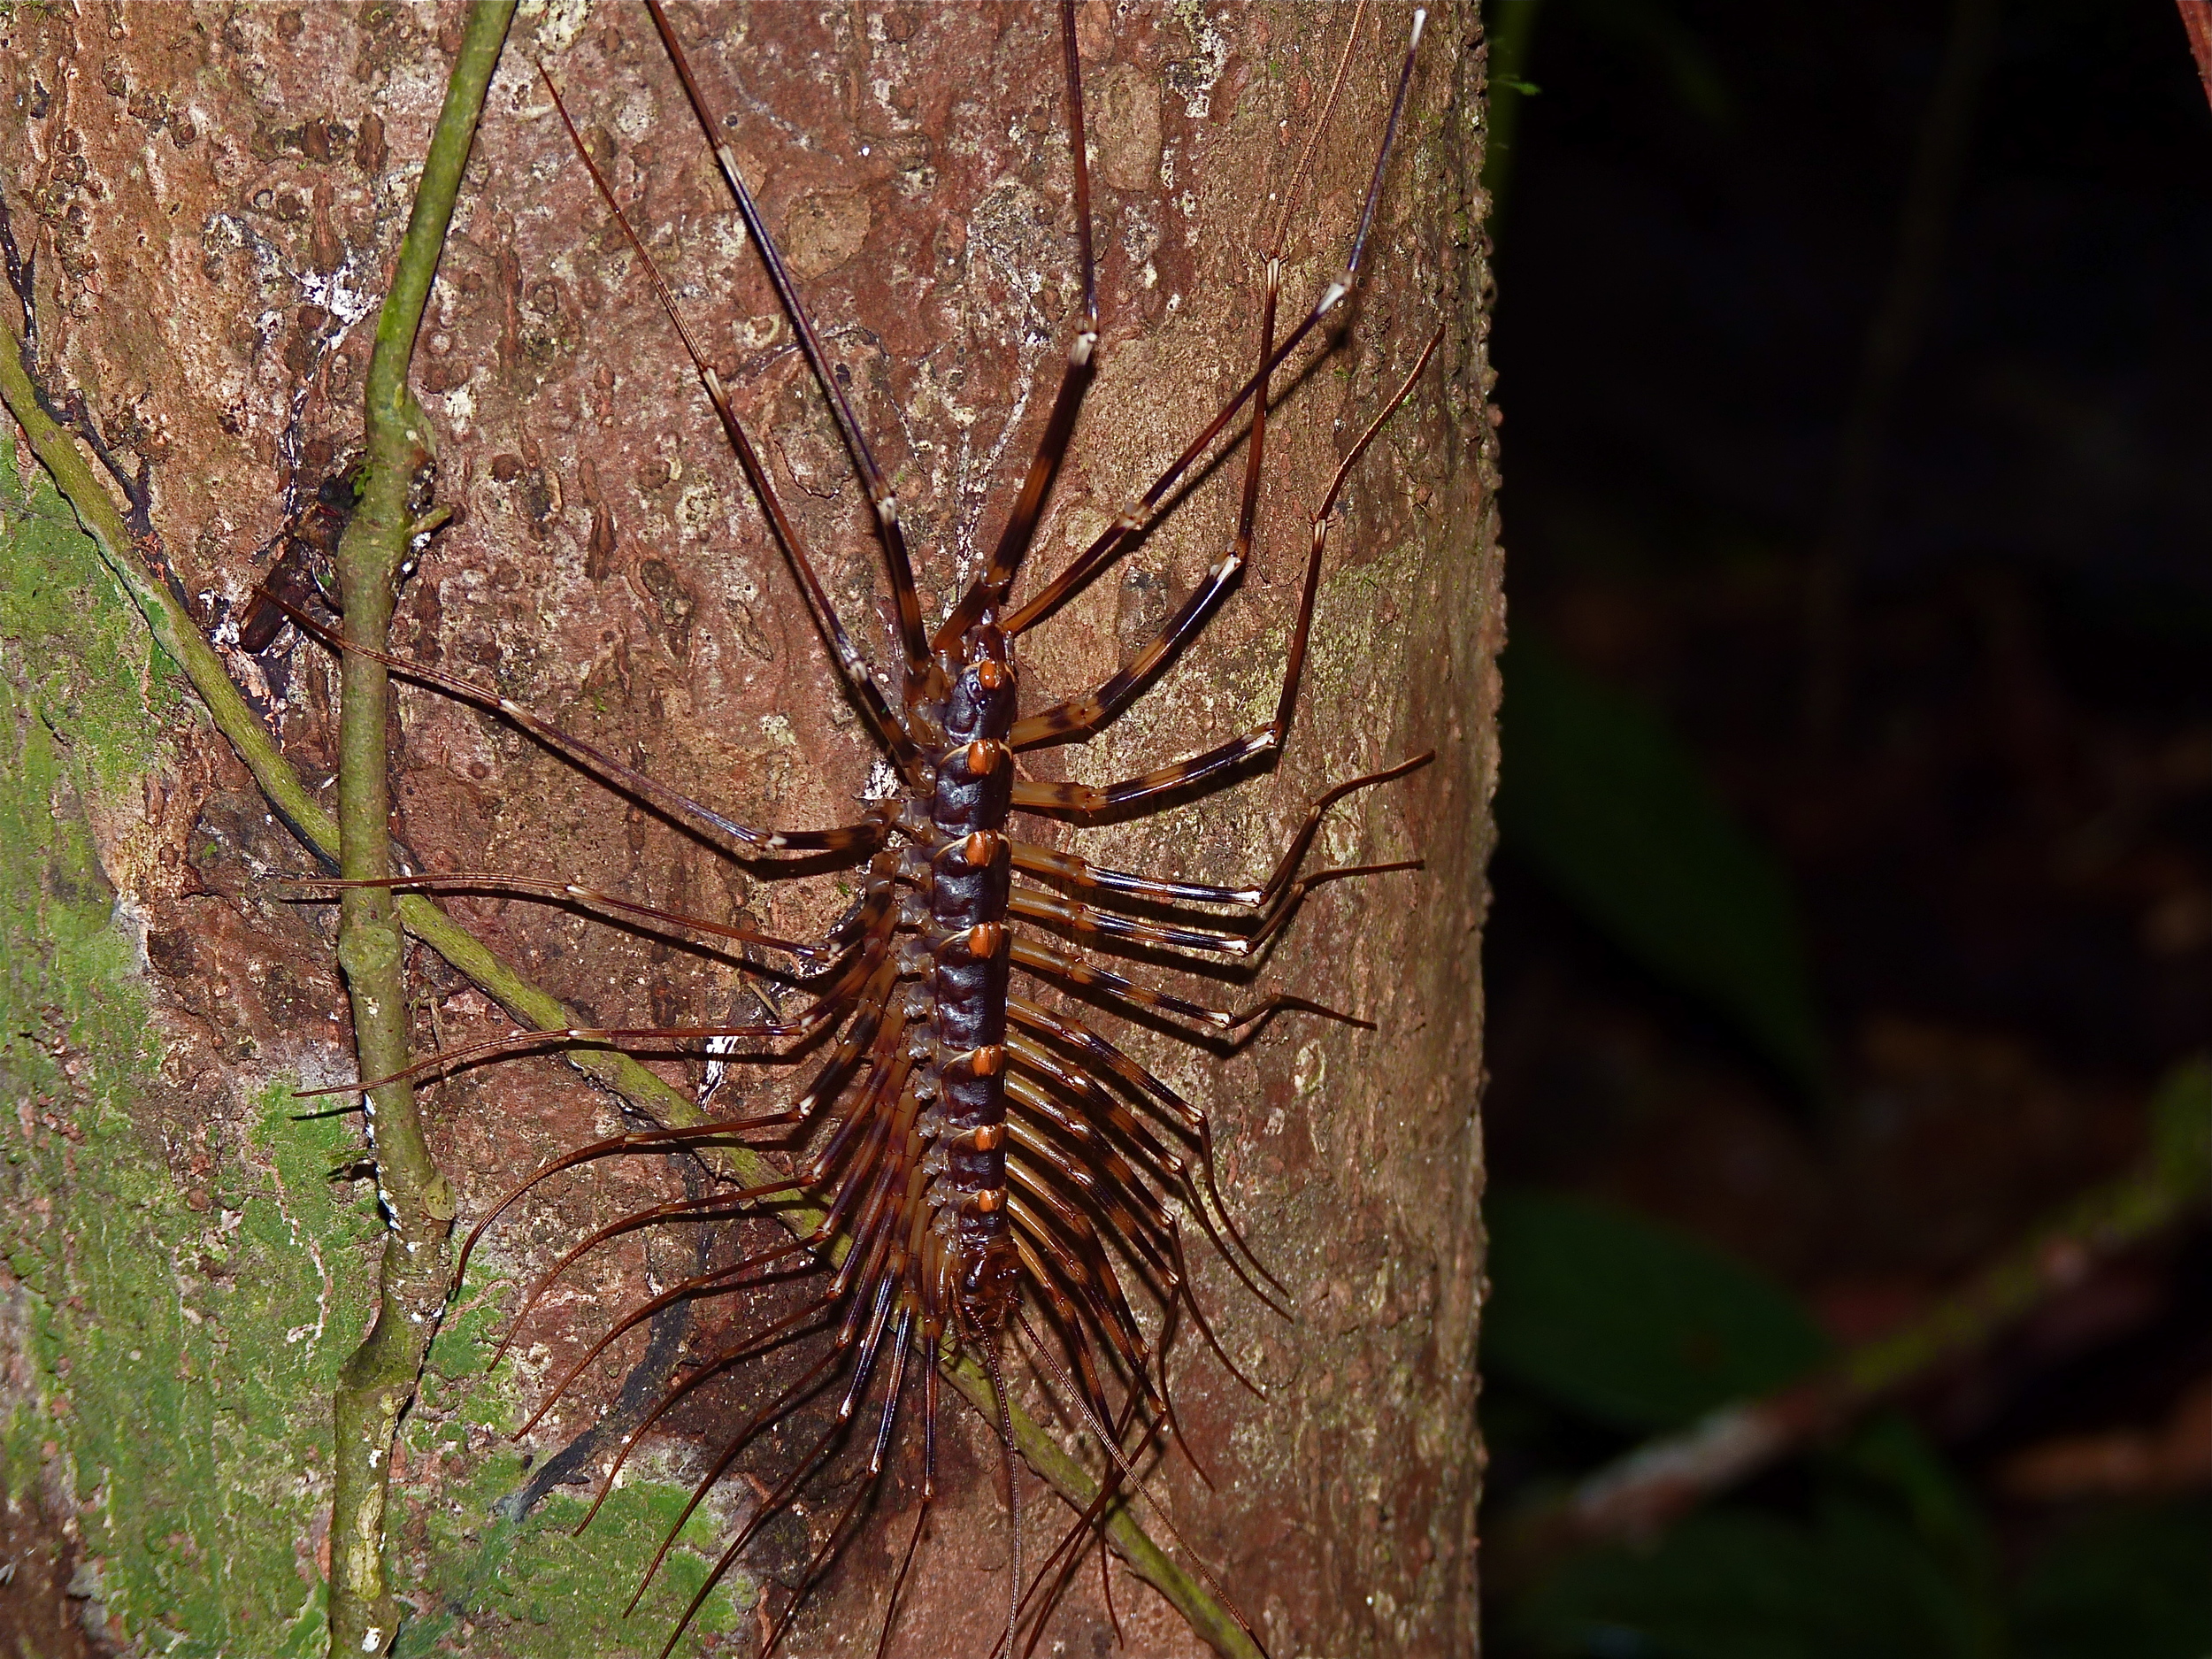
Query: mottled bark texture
217,192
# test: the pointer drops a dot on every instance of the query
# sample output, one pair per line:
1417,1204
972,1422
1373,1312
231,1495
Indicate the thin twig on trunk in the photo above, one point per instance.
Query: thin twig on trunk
414,1197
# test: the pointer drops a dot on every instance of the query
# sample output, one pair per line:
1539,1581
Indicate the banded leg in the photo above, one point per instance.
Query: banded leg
1074,1035
1133,520
1065,1316
746,1273
1086,800
567,892
1076,871
1073,917
1107,1111
870,1034
889,729
809,1176
1144,1232
864,1248
825,1011
739,841
624,1037
1036,1104
1067,1235
793,1327
722,1281
1113,989
929,1489
870,1482
781,1497
712,1207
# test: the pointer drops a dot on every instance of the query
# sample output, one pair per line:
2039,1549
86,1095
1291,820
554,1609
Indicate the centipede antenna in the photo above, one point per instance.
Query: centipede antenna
988,591
1313,138
879,494
1013,1486
889,729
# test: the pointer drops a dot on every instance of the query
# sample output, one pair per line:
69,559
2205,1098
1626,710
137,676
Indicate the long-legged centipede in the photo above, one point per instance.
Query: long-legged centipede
1089,1260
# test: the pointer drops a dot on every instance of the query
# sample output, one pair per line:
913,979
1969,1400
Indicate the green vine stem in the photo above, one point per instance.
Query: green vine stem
379,1378
179,638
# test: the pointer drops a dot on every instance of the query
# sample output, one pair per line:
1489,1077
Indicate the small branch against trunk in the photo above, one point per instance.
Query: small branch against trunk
416,1201
1636,1495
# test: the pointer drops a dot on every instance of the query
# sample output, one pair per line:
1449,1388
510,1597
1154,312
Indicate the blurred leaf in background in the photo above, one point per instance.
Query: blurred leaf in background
1612,808
1631,1324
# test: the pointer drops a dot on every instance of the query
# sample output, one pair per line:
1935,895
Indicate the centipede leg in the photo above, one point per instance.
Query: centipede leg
1070,870
1097,1104
1087,800
1193,1122
568,893
1135,520
739,841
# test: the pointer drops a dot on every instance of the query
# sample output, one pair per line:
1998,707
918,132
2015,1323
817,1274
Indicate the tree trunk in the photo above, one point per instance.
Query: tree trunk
215,196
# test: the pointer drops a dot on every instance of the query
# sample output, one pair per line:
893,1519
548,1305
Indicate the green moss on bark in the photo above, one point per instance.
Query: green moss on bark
176,1330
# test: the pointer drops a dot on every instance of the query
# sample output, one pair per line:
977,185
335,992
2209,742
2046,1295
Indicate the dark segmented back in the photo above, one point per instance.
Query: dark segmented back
969,883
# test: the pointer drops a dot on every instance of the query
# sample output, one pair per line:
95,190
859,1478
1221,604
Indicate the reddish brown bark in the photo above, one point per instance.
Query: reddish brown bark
2196,16
209,187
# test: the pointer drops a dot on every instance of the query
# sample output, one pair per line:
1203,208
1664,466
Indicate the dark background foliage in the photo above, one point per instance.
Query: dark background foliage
1858,889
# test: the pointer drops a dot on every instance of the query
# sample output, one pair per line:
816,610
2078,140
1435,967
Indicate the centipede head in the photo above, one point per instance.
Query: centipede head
990,1284
982,695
